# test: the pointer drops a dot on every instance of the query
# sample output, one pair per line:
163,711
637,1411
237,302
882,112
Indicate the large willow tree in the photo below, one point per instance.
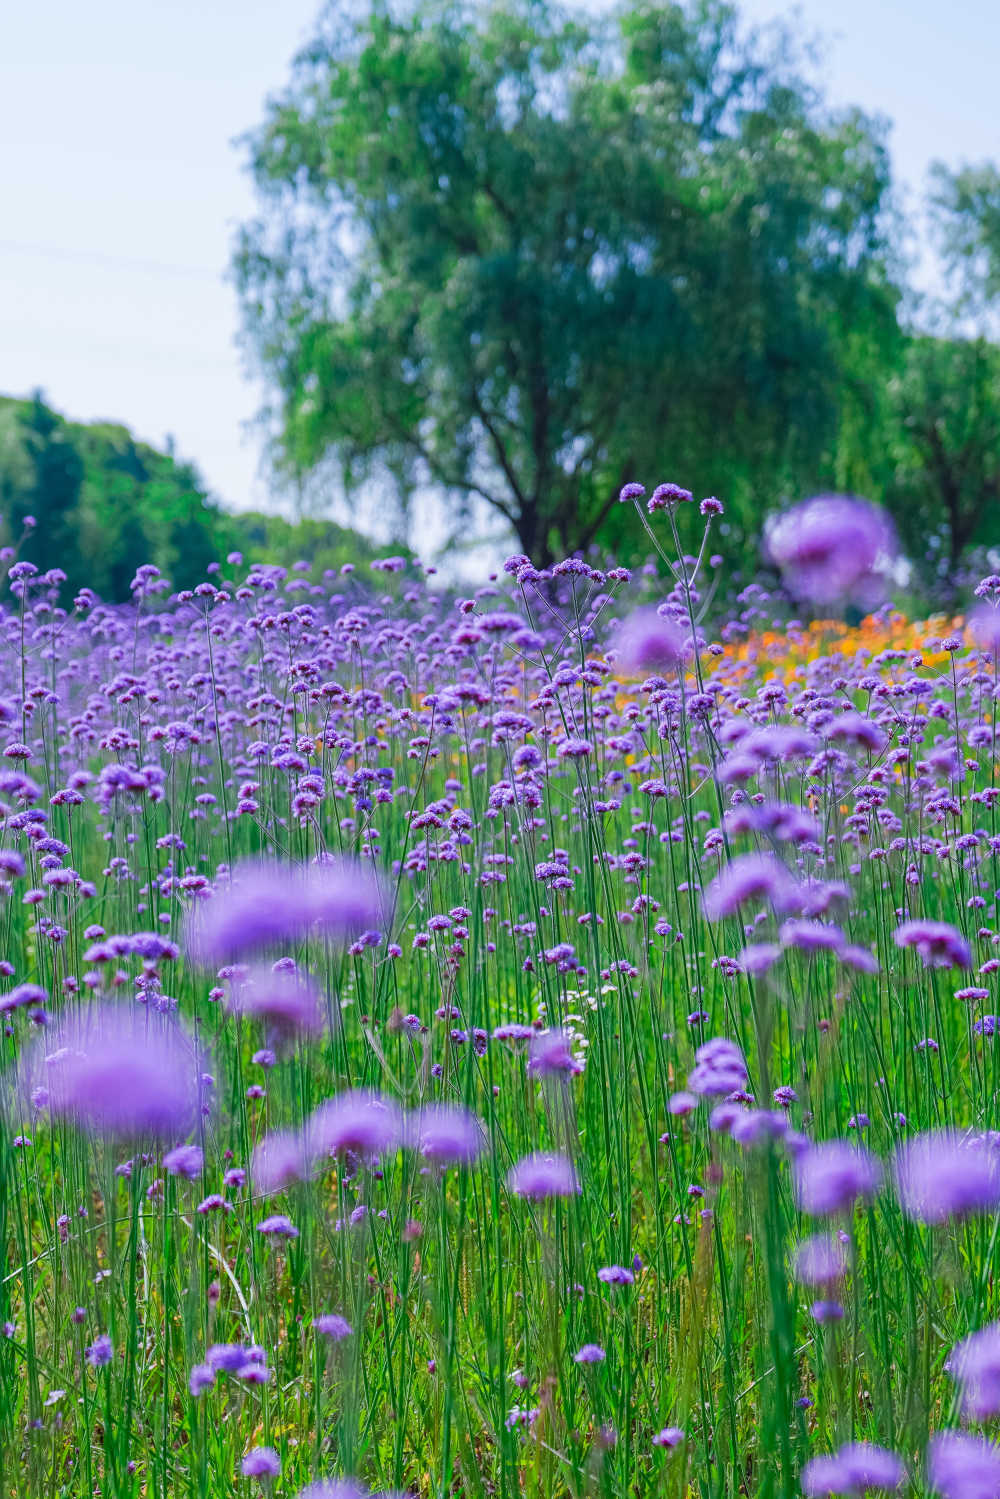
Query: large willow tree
526,257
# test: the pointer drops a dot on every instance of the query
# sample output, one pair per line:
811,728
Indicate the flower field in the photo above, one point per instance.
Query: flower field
535,1043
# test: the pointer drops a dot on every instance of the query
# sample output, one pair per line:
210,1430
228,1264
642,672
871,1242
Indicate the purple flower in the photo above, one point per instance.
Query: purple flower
278,1160
811,936
541,1176
287,1002
358,1121
22,997
100,1351
631,491
201,1378
670,1436
120,1077
974,1365
333,1326
616,1275
184,1160
278,1226
758,957
820,1260
984,627
857,1468
943,1174
227,1357
682,1103
590,1353
830,1177
962,1466
666,496
939,945
261,1462
751,877
550,1053
647,642
831,548
446,1134
719,1069
335,1488
273,905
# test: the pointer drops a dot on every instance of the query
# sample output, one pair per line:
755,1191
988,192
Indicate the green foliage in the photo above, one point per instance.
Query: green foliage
528,257
945,487
967,208
324,544
104,503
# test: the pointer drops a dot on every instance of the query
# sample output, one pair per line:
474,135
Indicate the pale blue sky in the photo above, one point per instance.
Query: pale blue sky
120,185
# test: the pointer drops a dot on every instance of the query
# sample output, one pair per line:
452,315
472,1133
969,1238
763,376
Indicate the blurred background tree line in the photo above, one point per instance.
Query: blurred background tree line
520,255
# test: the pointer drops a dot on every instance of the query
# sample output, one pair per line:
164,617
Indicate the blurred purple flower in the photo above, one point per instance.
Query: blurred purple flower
962,1466
751,877
261,1462
942,1174
939,945
647,642
270,904
540,1176
445,1134
820,1260
117,1076
832,548
830,1177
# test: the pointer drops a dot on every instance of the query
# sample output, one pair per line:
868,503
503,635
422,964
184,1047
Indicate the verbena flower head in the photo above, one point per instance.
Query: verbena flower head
540,1176
267,905
184,1160
284,1000
550,1053
334,1488
939,944
278,1226
832,548
333,1326
445,1134
984,627
120,1076
100,1351
278,1160
261,1462
667,496
962,1466
858,1468
943,1174
359,1122
830,1177
719,1069
647,642
751,877
974,1365
821,1260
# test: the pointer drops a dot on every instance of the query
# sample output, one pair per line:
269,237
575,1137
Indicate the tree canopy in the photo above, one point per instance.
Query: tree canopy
527,257
93,500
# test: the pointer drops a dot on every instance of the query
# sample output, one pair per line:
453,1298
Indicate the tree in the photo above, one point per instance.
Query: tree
105,503
945,491
40,484
527,258
966,208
